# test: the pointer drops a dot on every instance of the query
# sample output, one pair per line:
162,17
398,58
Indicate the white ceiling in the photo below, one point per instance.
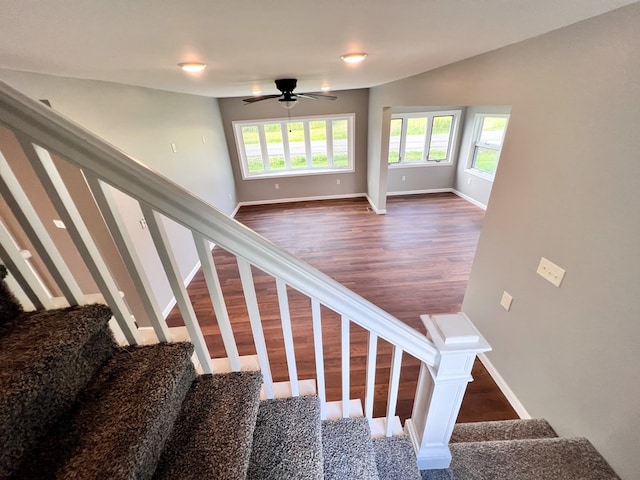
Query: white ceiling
249,43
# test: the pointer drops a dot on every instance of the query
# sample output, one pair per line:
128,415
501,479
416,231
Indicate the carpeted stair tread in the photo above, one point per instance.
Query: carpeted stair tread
119,424
213,434
396,458
46,358
348,450
533,459
502,430
287,441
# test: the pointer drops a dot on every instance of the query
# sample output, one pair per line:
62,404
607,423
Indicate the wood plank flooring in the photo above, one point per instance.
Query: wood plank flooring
415,259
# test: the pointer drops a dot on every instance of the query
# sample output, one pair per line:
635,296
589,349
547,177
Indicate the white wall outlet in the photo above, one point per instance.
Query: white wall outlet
404,177
143,223
277,186
337,181
173,147
506,300
468,180
550,271
204,140
59,223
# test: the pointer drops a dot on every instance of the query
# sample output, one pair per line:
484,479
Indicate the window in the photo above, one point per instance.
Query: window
488,136
295,146
422,138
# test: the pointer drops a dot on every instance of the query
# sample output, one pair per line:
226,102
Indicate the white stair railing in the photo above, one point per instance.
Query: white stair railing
446,355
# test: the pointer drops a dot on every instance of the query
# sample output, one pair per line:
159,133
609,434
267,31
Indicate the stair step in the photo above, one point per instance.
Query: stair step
213,435
287,442
348,450
396,458
119,424
378,427
502,430
283,389
47,357
545,458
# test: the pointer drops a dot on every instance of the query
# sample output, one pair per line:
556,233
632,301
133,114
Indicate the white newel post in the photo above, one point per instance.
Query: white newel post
441,388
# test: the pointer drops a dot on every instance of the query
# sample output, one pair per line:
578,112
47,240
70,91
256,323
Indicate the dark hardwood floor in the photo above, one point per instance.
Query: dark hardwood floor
415,259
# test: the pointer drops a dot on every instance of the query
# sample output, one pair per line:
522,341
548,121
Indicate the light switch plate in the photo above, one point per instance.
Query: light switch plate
550,271
506,300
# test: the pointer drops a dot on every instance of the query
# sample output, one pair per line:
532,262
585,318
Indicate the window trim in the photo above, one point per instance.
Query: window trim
429,115
476,143
288,171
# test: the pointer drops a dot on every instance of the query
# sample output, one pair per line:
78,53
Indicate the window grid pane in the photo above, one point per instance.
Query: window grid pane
297,148
440,137
252,149
394,140
275,147
340,143
416,135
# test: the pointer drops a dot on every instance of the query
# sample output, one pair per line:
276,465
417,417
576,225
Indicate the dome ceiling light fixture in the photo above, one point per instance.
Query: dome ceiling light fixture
353,57
192,67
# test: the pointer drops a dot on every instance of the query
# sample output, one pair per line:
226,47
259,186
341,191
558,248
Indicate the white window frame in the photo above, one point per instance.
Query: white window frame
290,171
453,138
476,143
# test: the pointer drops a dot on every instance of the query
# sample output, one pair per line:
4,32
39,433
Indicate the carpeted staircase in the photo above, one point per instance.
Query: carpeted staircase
74,405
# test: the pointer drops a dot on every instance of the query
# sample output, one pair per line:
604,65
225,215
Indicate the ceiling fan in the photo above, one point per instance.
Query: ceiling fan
286,97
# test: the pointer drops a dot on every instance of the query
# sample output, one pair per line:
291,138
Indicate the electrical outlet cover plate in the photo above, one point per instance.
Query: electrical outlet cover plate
550,271
506,300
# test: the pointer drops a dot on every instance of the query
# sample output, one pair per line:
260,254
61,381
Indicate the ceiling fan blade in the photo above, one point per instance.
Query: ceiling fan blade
260,98
316,96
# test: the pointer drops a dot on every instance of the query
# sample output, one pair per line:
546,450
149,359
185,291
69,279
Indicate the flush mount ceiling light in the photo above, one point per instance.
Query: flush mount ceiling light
353,57
192,67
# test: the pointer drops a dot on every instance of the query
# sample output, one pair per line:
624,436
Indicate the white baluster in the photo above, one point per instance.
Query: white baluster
441,388
285,316
394,383
372,353
318,347
217,300
113,218
33,227
59,195
246,277
170,265
346,367
21,272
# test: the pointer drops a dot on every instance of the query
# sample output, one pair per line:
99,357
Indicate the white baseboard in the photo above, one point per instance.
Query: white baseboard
502,385
373,207
299,199
469,199
419,192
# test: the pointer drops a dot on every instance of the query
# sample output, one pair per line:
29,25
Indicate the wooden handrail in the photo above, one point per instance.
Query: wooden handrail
87,151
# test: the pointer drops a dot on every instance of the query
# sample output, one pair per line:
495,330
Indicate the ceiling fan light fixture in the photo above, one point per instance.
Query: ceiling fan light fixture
353,57
192,67
287,102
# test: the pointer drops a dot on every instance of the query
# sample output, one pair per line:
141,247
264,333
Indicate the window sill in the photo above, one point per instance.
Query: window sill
301,173
479,174
413,165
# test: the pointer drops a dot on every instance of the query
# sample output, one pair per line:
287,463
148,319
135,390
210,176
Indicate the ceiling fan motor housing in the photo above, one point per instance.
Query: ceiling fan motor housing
286,85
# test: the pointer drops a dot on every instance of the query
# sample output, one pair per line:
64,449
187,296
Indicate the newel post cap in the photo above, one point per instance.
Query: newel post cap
454,333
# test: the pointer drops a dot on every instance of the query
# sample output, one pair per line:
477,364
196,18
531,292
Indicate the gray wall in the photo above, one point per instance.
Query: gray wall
299,187
144,122
568,188
472,186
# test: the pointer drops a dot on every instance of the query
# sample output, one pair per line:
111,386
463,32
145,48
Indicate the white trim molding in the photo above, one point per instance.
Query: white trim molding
469,199
297,199
502,385
374,208
419,192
